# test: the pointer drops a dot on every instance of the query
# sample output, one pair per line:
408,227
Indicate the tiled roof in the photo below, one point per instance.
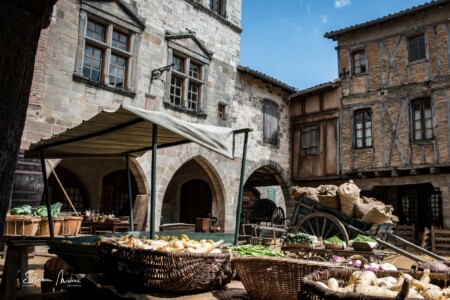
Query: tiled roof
319,87
336,33
267,78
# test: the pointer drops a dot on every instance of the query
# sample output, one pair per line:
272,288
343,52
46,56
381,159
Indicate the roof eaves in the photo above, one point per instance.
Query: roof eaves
334,34
320,87
267,78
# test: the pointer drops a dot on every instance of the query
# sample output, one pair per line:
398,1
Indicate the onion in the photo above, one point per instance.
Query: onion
374,266
388,267
337,259
357,263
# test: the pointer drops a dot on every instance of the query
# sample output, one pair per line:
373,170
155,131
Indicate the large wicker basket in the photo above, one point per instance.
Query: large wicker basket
21,225
44,228
71,225
275,278
168,271
311,290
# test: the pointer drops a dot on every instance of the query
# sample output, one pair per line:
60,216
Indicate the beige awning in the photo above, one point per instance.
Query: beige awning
129,131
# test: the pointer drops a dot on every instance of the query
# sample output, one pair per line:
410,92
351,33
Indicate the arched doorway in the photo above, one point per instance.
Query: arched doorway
73,187
195,200
115,196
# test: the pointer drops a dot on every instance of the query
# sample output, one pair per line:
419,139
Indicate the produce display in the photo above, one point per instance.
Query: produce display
363,238
38,211
298,238
333,239
167,243
366,282
255,250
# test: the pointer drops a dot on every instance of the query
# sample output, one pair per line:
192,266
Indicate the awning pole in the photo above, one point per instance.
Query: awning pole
47,198
153,183
130,193
241,190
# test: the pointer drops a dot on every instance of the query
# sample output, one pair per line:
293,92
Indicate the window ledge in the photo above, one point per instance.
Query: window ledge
422,142
103,86
418,61
200,115
359,74
363,148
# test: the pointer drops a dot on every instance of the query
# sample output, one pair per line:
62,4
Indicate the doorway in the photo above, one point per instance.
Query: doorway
196,201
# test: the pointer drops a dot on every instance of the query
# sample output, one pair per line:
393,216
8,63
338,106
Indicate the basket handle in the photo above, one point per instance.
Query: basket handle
355,257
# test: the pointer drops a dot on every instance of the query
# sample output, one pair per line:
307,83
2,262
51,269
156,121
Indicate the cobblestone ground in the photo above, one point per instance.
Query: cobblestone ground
234,290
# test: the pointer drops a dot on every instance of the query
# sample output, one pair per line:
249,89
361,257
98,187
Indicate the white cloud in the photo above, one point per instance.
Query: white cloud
324,19
341,3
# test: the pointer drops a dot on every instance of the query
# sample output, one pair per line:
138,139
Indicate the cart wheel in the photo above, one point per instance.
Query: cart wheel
278,216
322,225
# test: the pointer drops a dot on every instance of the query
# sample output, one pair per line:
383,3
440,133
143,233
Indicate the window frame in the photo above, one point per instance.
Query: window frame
423,119
133,28
222,111
362,62
306,137
363,129
187,82
218,7
414,49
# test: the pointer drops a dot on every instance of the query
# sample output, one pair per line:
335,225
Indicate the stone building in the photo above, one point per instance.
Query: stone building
180,57
394,116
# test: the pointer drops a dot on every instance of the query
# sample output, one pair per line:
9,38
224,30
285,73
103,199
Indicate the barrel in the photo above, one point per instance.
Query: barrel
28,182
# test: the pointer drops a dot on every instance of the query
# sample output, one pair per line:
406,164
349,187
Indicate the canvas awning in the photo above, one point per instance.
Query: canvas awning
128,131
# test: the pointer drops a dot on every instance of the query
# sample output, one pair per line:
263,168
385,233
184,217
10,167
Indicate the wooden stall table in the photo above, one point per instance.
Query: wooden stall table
322,253
106,226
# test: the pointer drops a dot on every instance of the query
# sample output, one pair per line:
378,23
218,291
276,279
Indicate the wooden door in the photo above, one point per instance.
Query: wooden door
196,201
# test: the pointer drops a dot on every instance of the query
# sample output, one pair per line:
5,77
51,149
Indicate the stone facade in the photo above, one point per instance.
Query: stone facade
62,96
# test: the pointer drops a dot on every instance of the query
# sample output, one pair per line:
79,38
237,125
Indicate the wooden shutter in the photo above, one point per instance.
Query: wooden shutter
270,122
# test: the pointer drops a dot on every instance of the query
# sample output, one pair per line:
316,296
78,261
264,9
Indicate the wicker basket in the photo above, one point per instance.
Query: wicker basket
275,278
167,271
71,225
311,290
334,246
21,225
44,229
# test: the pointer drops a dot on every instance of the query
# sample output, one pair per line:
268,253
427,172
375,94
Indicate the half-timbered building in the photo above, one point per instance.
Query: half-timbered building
395,107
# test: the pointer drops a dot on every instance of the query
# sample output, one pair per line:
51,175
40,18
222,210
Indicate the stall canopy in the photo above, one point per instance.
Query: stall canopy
128,131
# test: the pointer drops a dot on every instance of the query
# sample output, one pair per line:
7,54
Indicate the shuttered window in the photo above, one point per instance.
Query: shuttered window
270,122
363,128
310,140
422,123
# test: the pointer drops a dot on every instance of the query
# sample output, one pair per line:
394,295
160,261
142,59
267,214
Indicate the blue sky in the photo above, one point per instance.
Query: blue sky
285,38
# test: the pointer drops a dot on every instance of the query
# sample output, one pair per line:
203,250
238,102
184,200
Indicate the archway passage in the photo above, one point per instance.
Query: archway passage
72,186
195,201
115,194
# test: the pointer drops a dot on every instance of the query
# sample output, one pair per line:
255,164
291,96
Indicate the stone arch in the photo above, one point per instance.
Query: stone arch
218,179
280,175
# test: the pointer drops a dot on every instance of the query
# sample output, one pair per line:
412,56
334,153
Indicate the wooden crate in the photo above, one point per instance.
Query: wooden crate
202,224
440,241
21,225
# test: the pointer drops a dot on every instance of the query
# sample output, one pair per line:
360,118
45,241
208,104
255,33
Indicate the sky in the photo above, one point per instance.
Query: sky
285,39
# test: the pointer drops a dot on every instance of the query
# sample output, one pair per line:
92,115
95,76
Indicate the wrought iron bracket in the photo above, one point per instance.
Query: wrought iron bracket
158,72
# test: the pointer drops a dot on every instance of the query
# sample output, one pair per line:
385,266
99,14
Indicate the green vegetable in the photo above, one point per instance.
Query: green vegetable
298,238
363,238
255,250
334,239
24,210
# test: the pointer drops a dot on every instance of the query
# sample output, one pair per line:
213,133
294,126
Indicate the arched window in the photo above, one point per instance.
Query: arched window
115,193
73,188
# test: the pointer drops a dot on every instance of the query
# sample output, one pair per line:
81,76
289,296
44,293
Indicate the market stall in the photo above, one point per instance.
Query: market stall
124,133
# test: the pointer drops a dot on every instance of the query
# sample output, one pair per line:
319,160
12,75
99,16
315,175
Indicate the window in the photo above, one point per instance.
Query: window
421,119
416,47
186,83
270,130
217,6
358,62
310,140
221,111
106,54
363,128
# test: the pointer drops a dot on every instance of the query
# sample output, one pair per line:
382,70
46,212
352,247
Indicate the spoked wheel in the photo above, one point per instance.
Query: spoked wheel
322,225
278,217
